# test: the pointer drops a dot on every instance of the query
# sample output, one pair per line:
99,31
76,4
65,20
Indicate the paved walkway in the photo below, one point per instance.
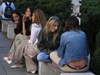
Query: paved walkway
4,67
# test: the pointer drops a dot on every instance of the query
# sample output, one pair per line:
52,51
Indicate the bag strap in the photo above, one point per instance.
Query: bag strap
8,4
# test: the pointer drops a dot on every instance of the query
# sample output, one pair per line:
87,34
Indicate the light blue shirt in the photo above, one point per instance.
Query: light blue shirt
2,9
73,46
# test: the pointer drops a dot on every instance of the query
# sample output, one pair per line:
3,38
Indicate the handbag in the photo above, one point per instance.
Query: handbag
31,50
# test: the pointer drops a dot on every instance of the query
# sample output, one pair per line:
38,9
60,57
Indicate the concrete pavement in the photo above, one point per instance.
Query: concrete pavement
4,66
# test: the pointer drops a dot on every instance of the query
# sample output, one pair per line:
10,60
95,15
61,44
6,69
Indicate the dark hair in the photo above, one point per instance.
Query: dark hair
19,13
32,8
71,23
6,0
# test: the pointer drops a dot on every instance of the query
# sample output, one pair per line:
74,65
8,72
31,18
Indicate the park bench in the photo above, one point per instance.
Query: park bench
8,27
49,69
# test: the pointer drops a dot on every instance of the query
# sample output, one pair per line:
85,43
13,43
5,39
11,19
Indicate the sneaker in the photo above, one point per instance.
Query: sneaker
9,61
16,66
33,72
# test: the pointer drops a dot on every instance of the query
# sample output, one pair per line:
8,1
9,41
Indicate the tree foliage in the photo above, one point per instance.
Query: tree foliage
95,61
90,20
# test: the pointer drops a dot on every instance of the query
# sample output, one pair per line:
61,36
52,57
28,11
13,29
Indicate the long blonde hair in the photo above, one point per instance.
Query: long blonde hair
50,23
39,17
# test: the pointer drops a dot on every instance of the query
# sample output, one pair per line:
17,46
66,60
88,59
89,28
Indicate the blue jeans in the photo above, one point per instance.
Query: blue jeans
43,57
0,20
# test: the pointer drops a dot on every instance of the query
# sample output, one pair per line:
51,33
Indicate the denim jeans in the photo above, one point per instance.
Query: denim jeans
0,20
43,57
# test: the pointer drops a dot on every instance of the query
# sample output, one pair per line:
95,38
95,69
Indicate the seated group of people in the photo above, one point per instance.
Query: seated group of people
38,39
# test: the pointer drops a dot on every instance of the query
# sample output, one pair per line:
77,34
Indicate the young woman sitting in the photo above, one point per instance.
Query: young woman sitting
49,39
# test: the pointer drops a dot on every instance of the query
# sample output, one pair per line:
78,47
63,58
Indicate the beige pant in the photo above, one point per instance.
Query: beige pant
18,39
56,59
19,53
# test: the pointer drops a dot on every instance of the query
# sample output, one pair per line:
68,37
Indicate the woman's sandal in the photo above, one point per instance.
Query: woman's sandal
9,61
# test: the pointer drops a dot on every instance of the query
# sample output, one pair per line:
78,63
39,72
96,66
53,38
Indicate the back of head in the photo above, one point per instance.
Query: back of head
19,13
6,0
39,17
71,23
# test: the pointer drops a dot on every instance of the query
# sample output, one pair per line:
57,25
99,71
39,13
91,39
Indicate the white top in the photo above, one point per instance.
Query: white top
35,29
2,9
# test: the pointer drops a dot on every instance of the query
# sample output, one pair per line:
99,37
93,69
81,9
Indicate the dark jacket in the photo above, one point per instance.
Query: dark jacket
18,29
47,46
27,26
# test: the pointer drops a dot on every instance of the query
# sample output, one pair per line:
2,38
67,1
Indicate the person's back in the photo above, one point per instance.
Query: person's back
77,42
76,48
3,7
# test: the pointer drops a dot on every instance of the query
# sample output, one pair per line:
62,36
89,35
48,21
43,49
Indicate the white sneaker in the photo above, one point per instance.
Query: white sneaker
33,72
7,60
15,66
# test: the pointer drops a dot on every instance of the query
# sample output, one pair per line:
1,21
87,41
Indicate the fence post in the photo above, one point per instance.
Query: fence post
76,9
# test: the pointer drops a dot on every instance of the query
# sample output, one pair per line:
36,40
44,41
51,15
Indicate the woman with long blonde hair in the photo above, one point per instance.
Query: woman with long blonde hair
48,39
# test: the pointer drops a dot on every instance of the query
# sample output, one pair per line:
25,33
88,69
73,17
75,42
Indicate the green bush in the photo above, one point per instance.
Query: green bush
91,25
23,4
95,61
90,20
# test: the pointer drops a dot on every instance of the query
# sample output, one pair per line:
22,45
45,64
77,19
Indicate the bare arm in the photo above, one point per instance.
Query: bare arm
24,20
0,13
15,25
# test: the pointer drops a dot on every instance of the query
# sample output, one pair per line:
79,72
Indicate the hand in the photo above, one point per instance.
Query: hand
24,18
28,37
16,22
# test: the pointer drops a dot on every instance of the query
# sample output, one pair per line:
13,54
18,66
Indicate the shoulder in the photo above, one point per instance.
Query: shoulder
36,25
12,3
82,32
66,33
42,32
3,3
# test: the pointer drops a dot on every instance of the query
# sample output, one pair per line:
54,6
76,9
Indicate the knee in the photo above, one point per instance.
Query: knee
17,37
41,56
53,54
